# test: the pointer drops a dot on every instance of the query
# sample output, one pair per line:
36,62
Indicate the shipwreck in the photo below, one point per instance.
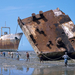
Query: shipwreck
9,42
51,32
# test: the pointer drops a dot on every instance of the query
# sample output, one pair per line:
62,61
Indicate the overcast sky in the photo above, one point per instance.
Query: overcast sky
10,10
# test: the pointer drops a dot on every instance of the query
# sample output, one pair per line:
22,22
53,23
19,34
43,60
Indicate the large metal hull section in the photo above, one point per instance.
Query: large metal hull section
46,32
10,42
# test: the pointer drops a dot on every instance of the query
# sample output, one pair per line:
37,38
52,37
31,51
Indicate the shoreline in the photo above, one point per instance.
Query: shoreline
7,61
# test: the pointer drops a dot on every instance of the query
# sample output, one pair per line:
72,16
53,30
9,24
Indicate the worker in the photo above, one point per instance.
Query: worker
17,55
27,55
65,58
41,57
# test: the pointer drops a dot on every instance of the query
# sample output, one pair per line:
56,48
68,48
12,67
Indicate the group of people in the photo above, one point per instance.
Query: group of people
65,56
17,54
3,53
27,56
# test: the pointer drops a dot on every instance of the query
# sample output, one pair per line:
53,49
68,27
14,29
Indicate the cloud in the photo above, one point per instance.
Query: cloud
28,6
10,8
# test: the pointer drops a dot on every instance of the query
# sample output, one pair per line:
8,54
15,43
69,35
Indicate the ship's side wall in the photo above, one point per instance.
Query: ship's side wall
27,34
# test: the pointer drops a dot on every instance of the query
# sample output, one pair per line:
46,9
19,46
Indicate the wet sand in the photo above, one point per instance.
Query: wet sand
39,68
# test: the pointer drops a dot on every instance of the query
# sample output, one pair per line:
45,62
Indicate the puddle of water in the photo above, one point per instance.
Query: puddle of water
54,71
16,71
38,71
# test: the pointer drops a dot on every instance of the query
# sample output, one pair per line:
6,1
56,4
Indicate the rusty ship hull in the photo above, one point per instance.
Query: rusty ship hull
50,32
10,42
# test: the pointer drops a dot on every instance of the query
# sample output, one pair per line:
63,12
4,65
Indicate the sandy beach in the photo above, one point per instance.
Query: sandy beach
38,68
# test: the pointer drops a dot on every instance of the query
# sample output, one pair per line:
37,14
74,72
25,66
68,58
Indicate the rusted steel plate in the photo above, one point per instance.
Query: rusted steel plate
46,32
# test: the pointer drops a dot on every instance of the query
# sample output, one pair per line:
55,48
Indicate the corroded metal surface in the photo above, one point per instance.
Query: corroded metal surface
51,32
10,42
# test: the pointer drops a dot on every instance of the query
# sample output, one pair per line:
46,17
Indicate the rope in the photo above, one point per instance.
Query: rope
72,59
56,58
50,58
16,28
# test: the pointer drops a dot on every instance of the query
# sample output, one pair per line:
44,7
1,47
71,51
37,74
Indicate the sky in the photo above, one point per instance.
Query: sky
10,10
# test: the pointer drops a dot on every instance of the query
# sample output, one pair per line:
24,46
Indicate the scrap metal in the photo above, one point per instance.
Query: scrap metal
50,32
